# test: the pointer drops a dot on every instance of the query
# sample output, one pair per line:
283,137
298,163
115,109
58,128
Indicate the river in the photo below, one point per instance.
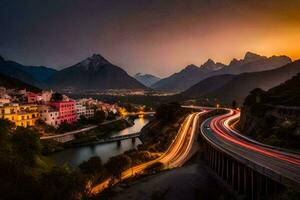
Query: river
74,156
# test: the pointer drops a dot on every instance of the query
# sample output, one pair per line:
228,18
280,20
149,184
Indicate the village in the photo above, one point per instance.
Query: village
25,109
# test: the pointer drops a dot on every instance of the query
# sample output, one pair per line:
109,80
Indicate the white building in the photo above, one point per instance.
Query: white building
89,113
50,116
80,110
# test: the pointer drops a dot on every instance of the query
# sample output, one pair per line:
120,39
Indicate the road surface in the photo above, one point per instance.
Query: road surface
176,155
217,131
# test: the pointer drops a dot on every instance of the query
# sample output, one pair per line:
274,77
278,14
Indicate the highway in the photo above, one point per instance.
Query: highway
218,131
175,156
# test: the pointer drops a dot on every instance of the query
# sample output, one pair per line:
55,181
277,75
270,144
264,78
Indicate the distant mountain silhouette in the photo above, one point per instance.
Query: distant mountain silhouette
253,63
236,87
187,77
12,83
93,73
193,74
29,74
146,79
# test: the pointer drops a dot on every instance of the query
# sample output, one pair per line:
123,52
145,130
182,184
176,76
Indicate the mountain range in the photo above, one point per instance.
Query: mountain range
97,73
93,73
187,77
227,88
146,79
192,74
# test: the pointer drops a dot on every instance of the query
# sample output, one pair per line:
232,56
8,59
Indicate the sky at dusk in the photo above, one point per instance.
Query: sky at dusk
150,36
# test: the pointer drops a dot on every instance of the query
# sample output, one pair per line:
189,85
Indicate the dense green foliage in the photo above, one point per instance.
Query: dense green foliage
169,112
99,117
57,97
24,173
92,166
117,164
287,93
261,119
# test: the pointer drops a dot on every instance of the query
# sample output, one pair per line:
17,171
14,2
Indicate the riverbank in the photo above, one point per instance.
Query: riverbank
76,155
96,134
102,131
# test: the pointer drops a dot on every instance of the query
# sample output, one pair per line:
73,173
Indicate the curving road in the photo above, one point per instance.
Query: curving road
218,132
176,155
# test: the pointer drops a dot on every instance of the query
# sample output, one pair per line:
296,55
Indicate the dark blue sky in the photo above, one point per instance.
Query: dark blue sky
155,36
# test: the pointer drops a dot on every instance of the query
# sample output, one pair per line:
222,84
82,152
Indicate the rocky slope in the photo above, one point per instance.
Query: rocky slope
272,116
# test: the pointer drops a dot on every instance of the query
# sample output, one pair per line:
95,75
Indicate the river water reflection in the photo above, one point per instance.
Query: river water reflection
74,156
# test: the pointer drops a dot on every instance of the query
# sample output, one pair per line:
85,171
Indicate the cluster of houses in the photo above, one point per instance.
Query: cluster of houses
25,108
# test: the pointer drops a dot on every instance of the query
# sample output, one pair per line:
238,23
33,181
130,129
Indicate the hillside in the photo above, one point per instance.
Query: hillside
206,86
12,83
93,73
30,74
239,86
271,116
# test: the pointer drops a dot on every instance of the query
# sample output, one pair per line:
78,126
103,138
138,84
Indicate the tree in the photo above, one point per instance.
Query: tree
234,104
92,166
168,112
57,97
60,183
65,127
5,130
26,144
117,164
99,116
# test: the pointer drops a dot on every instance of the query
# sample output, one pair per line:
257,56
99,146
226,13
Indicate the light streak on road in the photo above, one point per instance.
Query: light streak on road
175,156
220,125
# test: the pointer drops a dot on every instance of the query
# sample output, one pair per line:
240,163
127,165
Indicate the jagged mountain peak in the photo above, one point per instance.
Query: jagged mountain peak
94,62
233,61
211,65
209,61
190,67
249,56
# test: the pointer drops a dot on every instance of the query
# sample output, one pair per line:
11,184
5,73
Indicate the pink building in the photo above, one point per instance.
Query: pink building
32,97
66,110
